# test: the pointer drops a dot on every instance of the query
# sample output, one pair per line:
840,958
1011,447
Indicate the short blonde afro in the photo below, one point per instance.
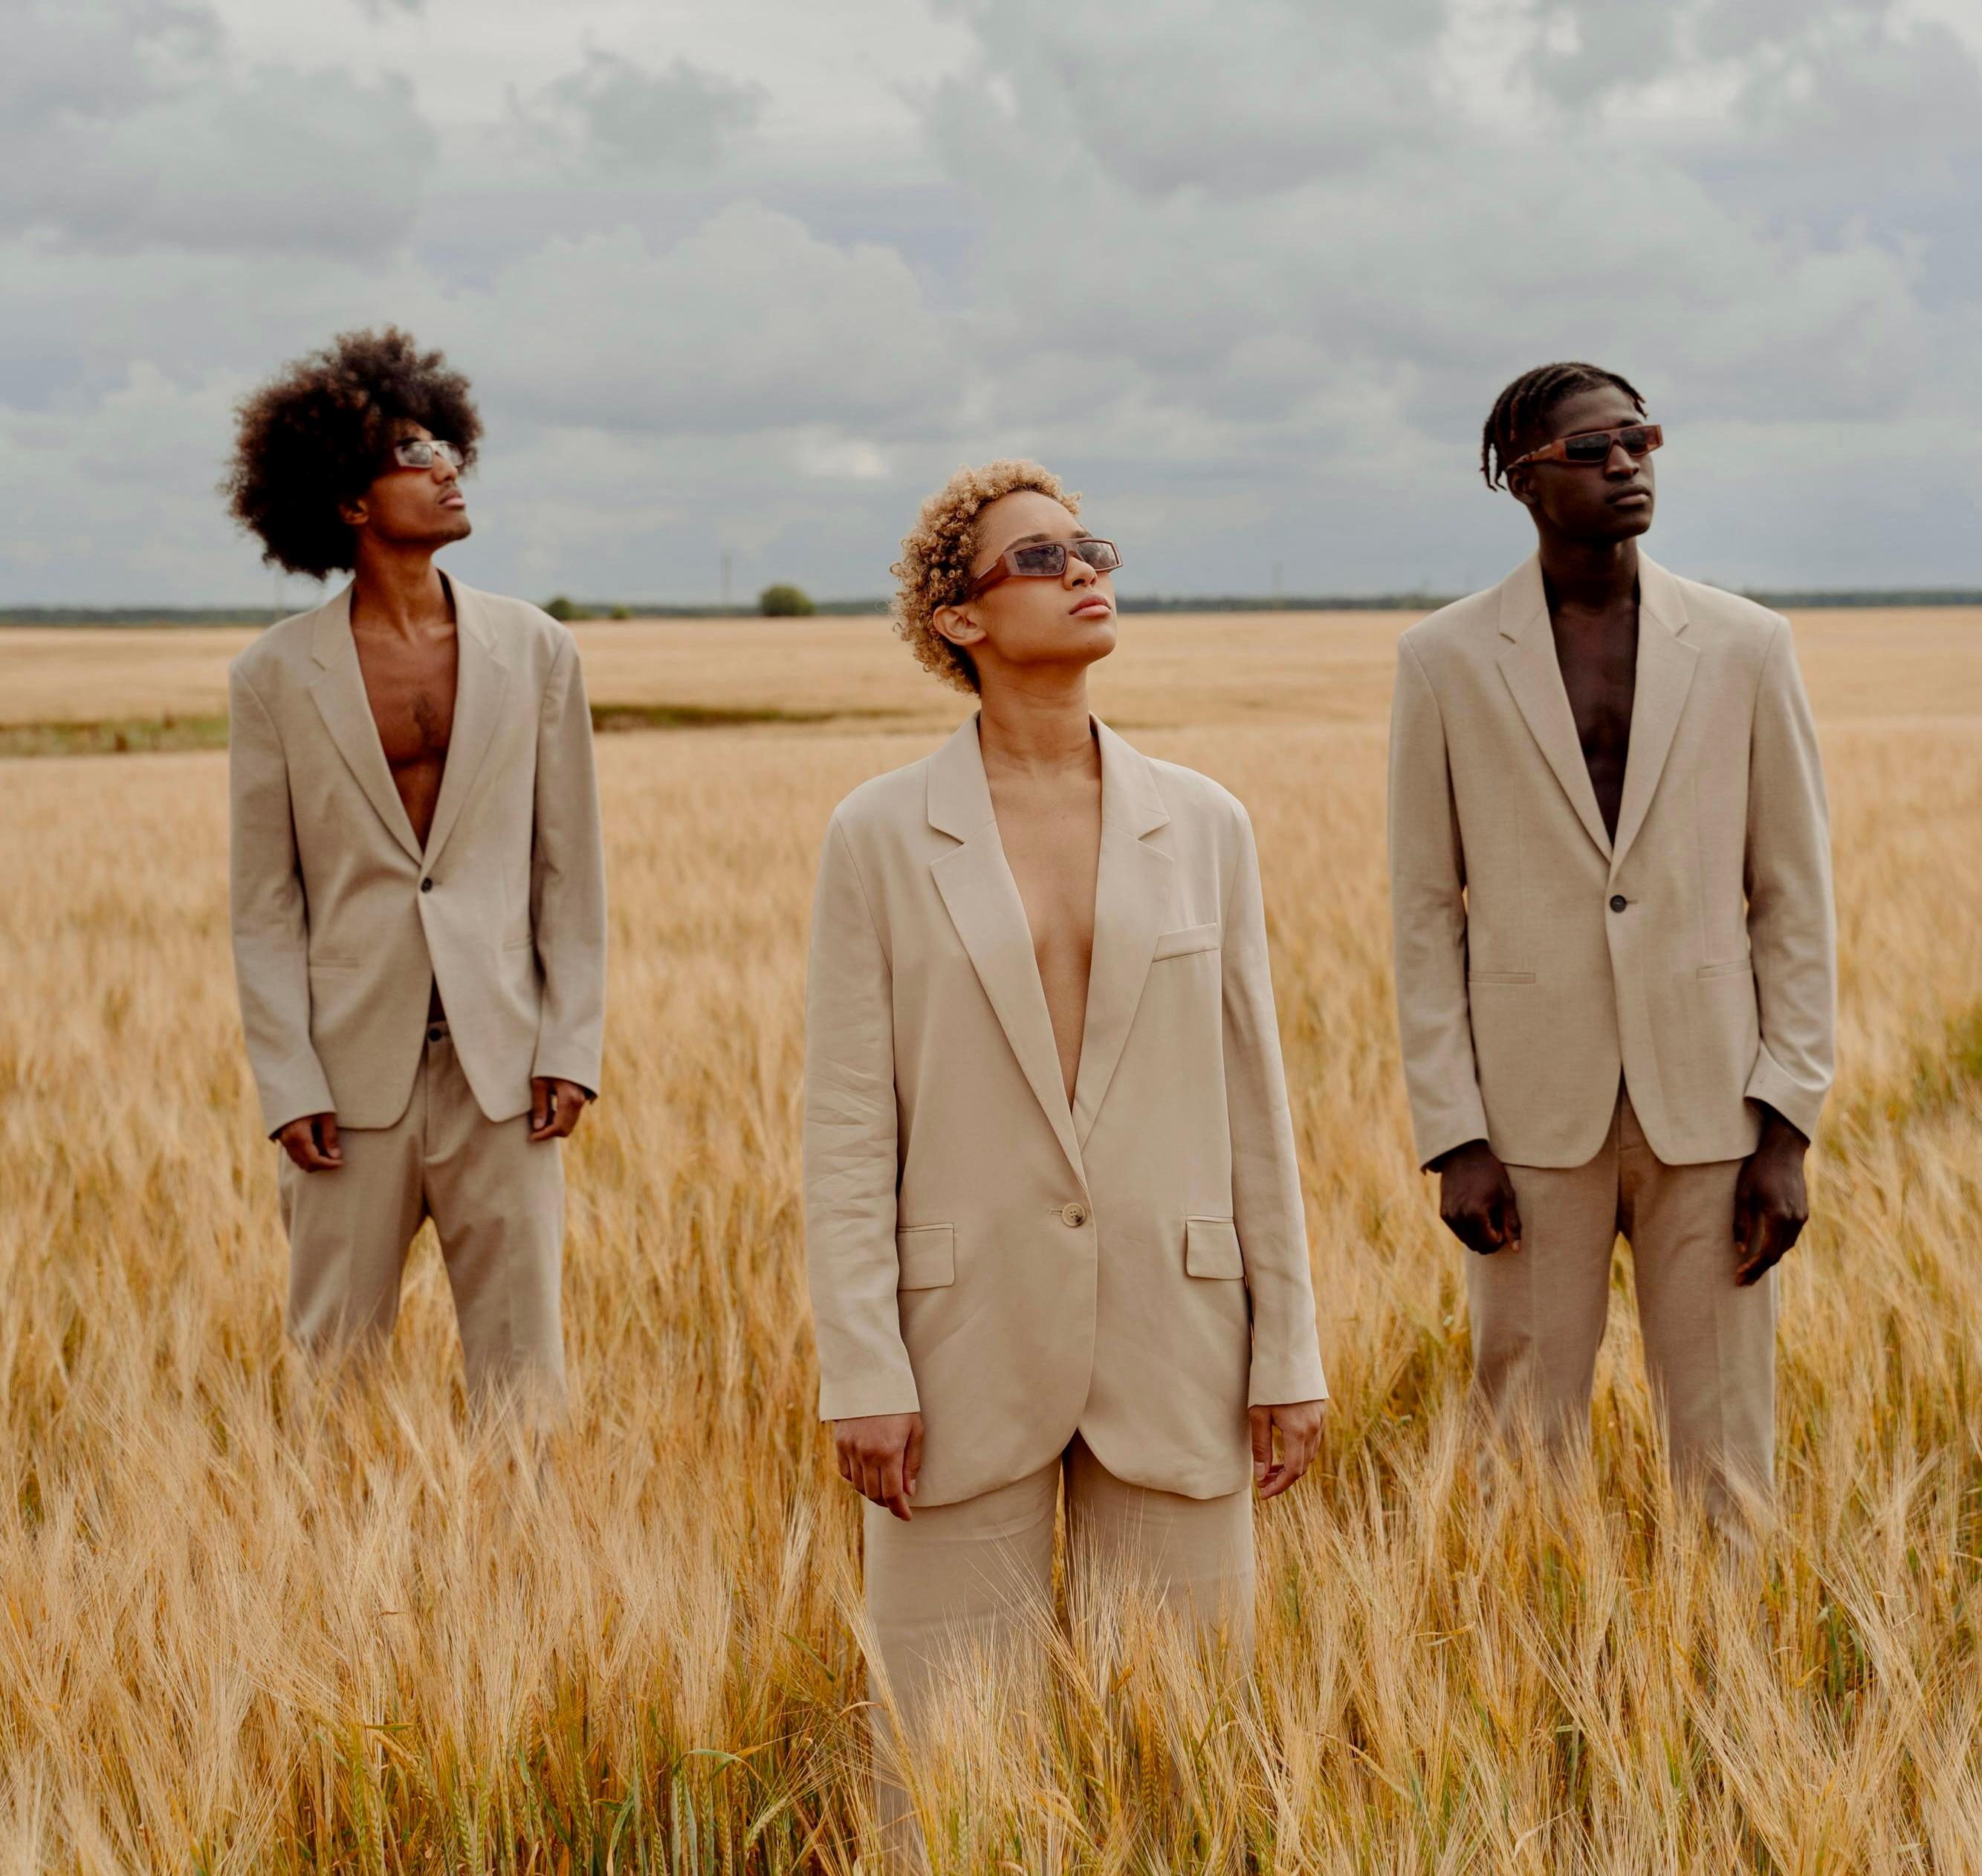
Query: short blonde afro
934,570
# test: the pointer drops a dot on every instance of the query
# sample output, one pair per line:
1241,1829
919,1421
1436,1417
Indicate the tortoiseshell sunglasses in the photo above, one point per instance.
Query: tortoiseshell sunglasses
1594,446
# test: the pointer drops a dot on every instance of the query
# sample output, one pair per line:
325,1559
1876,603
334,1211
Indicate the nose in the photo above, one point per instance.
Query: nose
444,471
1078,573
1621,463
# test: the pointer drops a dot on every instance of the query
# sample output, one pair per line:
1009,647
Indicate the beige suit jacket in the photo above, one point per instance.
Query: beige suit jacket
1536,958
1135,1267
341,922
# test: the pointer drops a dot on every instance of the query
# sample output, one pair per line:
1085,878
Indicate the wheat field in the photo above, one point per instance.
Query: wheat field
256,1618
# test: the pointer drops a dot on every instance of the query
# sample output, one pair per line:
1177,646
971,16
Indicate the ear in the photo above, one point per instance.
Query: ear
354,514
957,626
1521,486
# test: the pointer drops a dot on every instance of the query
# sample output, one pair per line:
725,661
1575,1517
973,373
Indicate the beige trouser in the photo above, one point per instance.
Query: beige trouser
1710,1344
974,1581
496,1199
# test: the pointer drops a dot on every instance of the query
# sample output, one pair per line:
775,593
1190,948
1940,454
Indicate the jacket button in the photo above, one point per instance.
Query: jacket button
433,1035
1618,902
426,886
1073,1212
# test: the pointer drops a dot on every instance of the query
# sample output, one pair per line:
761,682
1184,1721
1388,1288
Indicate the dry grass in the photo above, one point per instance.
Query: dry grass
247,1622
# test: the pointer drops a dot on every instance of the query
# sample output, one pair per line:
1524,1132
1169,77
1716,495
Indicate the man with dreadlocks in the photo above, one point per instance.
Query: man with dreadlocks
1616,951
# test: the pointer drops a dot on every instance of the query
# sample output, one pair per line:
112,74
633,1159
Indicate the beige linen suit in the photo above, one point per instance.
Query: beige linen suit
342,928
1608,1013
1101,1288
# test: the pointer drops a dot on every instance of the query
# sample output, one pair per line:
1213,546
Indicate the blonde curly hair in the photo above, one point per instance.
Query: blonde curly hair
934,570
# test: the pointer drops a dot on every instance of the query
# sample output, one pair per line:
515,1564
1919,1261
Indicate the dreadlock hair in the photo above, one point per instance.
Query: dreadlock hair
1529,399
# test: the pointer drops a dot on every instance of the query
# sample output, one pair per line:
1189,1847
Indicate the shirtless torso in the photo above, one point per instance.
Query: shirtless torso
409,675
1049,824
1596,647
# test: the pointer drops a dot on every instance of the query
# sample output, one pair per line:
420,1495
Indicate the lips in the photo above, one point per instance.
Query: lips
1092,608
454,501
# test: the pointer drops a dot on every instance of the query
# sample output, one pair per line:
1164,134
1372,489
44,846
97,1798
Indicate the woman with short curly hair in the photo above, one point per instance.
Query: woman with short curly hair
1053,1218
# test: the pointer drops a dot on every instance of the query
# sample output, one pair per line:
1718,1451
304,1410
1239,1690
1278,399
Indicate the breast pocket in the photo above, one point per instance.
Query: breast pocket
1185,940
927,1256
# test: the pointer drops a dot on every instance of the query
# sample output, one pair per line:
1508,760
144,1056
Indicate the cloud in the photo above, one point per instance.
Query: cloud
123,128
616,115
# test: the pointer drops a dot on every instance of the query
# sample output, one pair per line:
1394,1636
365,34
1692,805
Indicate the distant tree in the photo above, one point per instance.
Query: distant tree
785,602
561,609
623,612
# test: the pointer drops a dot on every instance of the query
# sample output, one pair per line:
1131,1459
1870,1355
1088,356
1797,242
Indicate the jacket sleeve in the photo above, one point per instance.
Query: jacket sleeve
850,1153
268,916
568,881
1267,1206
1428,922
1792,926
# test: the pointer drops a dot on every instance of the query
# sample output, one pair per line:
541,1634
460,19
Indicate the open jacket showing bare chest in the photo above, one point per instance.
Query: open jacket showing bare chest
1134,1266
1538,960
342,922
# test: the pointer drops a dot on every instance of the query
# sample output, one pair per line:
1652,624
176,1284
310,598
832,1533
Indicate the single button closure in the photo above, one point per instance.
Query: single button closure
426,886
1073,1212
1618,902
433,1035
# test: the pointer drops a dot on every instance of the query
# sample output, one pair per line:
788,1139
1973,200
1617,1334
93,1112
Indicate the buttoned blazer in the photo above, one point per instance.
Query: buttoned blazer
341,921
1537,959
1134,1267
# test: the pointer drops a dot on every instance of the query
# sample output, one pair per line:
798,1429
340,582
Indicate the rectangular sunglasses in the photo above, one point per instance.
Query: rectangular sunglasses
1045,560
1595,446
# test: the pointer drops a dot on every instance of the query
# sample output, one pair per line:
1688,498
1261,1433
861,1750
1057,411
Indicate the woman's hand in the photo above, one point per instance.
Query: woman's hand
1299,1426
879,1456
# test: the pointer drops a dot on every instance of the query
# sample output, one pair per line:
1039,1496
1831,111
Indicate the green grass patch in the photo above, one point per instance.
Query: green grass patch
152,735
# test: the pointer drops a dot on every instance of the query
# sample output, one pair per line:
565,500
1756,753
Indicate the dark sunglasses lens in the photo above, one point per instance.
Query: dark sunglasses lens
1593,447
1048,559
1637,441
1099,554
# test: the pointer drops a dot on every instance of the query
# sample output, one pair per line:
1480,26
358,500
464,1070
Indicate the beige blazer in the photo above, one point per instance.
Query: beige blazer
1536,959
1134,1268
341,922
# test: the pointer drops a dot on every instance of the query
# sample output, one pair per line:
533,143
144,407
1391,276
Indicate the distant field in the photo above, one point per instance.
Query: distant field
1174,669
251,1624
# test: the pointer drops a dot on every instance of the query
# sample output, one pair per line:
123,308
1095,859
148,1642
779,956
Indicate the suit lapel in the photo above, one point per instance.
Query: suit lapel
1665,664
481,679
339,690
1529,664
1132,899
981,898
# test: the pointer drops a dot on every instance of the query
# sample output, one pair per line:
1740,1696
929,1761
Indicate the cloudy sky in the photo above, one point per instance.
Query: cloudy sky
748,277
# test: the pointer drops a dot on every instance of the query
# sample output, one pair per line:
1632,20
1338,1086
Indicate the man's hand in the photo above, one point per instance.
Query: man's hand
1475,1199
1299,1424
310,1141
879,1456
555,1106
1771,1203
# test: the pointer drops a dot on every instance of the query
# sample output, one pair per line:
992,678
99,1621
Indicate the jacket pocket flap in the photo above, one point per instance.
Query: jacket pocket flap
1211,1248
1741,967
927,1255
1188,938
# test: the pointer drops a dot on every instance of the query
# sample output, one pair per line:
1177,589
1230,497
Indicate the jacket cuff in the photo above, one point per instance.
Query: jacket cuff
1438,1134
291,1101
857,1400
551,1066
1279,1379
1772,1085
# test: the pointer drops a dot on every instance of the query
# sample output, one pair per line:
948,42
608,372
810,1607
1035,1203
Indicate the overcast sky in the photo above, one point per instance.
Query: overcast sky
752,276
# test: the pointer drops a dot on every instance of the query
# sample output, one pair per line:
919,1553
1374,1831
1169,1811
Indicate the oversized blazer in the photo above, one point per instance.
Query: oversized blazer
1537,959
342,922
1133,1267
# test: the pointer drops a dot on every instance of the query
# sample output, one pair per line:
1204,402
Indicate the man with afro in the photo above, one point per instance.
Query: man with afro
1616,952
418,897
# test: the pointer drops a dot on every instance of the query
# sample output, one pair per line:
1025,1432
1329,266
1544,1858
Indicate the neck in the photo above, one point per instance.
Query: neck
1036,723
1592,574
399,589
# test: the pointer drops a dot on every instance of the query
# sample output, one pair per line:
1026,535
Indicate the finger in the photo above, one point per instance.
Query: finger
1513,1221
845,1465
294,1148
893,1495
1276,1482
1478,1234
332,1153
540,1104
1756,1255
912,1459
571,1104
1261,1421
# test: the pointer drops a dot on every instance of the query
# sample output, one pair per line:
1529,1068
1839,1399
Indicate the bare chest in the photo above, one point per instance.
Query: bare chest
411,690
1599,662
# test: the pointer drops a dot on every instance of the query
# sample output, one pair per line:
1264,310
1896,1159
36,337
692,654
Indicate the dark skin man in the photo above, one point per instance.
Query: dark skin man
1588,517
402,623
